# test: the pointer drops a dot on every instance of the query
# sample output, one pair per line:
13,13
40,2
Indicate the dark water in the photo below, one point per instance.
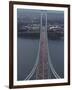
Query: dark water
56,51
27,50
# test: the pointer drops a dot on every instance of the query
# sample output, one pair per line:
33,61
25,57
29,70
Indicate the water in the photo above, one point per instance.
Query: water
56,51
27,53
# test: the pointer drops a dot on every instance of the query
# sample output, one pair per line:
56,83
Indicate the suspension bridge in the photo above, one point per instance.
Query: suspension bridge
43,65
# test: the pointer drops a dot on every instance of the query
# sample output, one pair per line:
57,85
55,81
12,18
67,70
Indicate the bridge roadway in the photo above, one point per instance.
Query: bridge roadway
42,67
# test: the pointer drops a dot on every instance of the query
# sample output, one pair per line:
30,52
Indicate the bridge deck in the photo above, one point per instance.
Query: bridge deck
42,68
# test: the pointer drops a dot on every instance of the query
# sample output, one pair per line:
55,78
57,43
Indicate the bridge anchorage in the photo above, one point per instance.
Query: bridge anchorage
43,65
